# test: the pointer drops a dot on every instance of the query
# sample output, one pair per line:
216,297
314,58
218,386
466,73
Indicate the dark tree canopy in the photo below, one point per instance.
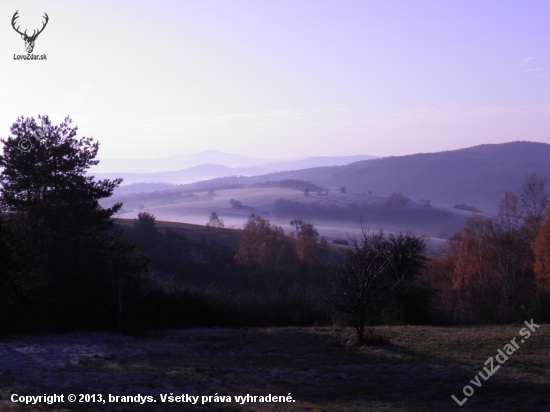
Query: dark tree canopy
146,229
53,171
297,223
72,262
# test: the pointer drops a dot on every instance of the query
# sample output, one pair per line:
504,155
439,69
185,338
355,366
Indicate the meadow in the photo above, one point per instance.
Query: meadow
195,207
418,368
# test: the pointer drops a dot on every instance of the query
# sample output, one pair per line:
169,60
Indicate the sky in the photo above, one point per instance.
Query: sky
276,79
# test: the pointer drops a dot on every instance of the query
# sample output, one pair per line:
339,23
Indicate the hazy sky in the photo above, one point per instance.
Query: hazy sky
277,78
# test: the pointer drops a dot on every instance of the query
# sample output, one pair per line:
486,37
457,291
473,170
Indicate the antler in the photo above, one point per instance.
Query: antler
34,34
43,26
15,16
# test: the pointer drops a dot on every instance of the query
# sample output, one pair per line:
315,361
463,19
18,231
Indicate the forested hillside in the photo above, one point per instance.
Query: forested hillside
475,176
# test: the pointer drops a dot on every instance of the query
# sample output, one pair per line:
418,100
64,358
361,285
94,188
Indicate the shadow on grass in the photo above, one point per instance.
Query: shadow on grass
318,366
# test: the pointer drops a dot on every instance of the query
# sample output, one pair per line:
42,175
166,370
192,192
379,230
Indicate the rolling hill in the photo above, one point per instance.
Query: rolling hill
477,176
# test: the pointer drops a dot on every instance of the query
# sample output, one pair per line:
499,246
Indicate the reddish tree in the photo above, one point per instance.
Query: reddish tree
265,249
306,242
541,250
493,273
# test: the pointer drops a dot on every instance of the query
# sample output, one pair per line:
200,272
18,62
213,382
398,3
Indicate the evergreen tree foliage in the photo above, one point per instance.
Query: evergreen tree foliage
83,274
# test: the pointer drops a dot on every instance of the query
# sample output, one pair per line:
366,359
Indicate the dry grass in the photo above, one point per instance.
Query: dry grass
321,367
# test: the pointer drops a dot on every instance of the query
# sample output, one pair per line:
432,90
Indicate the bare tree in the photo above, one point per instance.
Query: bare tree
533,196
354,287
509,213
533,201
372,271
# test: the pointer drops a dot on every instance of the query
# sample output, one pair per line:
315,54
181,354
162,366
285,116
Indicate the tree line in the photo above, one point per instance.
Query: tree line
496,269
65,265
392,211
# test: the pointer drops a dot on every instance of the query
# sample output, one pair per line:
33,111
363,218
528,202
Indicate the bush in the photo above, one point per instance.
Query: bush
395,201
467,208
235,204
290,184
340,241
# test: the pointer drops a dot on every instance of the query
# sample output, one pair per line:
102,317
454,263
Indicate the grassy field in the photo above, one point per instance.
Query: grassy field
197,232
175,207
321,368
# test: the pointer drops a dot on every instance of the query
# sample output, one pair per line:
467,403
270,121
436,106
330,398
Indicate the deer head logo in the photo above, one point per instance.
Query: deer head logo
29,40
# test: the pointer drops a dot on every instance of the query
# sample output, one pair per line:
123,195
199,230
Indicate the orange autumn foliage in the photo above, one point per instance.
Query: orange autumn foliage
541,250
265,249
306,242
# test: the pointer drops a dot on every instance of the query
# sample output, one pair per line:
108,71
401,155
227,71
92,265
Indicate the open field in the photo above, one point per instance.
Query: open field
197,232
195,209
419,371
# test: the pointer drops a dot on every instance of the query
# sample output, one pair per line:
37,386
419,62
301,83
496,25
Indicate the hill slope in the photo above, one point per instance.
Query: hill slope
478,175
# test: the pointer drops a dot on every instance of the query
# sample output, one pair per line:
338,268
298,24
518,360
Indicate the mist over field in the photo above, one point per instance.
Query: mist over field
195,207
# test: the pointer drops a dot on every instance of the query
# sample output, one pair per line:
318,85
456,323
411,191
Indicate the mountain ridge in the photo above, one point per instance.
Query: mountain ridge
478,175
175,163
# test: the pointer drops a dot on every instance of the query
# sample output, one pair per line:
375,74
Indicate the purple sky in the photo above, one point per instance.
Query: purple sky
283,78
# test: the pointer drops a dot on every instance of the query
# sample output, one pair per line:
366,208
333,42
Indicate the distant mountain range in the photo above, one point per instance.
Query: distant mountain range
216,158
189,175
477,176
206,171
177,162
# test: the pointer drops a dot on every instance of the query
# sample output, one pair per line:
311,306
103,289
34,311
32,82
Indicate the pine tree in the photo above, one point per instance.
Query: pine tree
69,240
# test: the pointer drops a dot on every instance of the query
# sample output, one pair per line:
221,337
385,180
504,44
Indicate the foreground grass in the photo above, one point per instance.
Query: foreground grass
321,367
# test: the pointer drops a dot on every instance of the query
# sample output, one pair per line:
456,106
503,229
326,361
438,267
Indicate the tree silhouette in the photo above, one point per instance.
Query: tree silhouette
371,273
215,221
297,223
532,203
306,242
70,242
146,231
355,285
541,249
265,250
53,171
